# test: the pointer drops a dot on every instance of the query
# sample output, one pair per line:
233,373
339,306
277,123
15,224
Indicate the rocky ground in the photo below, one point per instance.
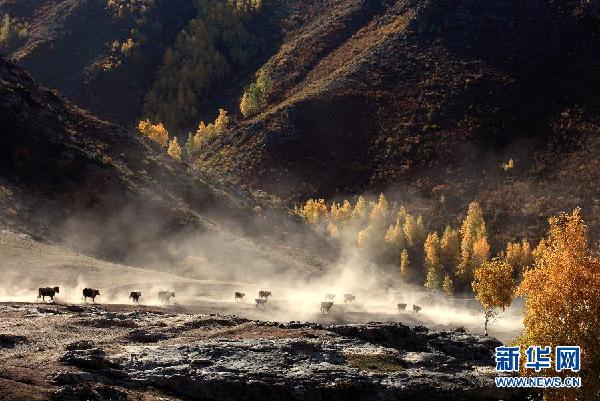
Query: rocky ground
117,352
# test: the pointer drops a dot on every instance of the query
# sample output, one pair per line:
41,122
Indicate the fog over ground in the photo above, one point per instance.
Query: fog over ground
26,265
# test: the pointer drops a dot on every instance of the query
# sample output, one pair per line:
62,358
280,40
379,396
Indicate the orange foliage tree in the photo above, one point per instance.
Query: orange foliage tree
157,133
494,287
562,301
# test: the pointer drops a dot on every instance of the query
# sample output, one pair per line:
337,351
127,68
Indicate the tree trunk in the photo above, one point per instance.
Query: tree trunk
486,325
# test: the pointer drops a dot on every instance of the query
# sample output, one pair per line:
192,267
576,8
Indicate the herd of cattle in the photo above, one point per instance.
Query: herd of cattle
263,297
165,297
92,293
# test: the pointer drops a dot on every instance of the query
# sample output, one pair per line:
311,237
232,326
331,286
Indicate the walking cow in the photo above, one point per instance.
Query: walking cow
402,307
348,298
135,296
326,307
90,293
165,296
239,296
48,292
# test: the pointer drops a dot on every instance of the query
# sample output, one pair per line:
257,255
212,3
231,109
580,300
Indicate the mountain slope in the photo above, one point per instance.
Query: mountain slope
432,96
68,177
79,48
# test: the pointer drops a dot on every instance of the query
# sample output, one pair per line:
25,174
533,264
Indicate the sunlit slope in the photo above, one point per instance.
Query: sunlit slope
432,97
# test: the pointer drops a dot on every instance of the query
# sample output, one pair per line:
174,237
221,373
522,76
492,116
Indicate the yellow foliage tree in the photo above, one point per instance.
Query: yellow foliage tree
157,133
314,211
174,149
433,265
448,285
450,248
481,253
562,301
340,215
404,263
472,230
395,236
519,256
379,211
222,122
360,209
494,287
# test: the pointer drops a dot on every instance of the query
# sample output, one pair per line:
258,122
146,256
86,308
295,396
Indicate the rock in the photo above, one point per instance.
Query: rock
11,340
80,345
144,336
306,369
91,358
395,335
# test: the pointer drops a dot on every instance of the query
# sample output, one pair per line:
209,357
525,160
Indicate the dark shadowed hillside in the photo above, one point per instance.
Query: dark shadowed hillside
79,47
432,97
66,176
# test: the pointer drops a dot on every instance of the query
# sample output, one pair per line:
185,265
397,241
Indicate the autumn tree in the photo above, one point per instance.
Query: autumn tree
404,264
411,231
472,231
562,301
519,255
205,132
174,149
314,211
371,238
394,237
221,122
12,33
494,287
432,261
448,285
157,133
359,212
450,249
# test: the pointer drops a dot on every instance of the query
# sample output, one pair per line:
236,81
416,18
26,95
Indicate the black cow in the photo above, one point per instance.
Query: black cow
135,296
47,292
165,296
416,308
264,294
90,293
348,298
260,303
402,307
326,306
239,295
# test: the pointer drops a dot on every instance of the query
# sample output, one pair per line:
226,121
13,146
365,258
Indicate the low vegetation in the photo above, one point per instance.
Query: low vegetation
254,99
12,33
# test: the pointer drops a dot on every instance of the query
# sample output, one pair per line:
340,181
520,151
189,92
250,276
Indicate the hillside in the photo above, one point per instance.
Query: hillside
425,99
70,48
430,98
68,177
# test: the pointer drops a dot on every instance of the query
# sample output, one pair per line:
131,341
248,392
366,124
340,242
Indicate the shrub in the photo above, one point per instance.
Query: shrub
254,99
